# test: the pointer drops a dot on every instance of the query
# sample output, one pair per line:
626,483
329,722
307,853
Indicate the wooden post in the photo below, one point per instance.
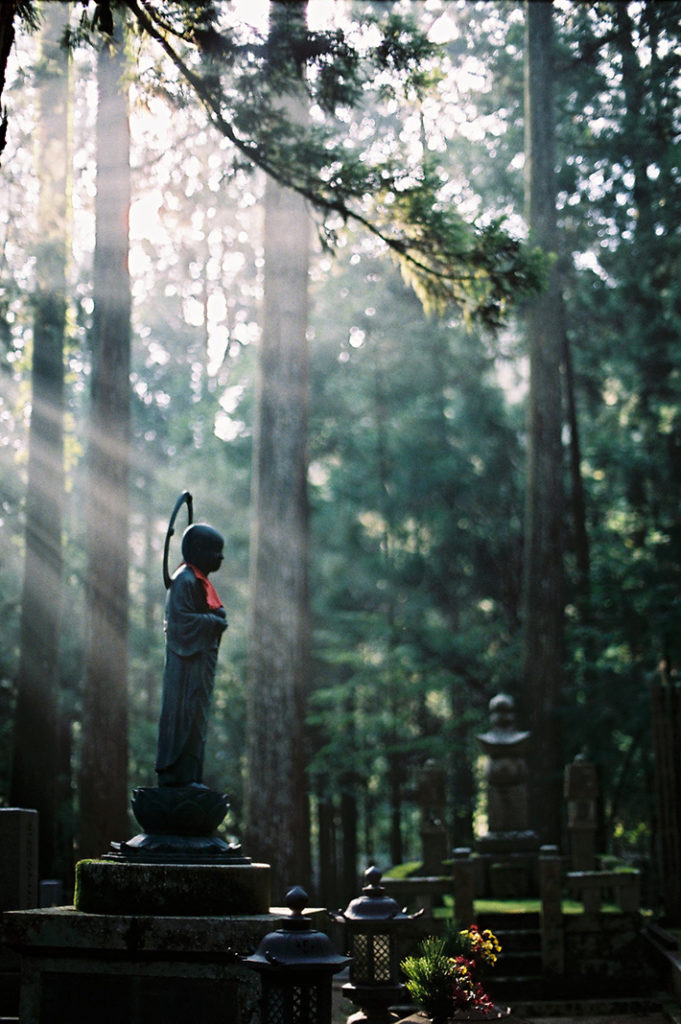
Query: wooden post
666,729
462,875
551,892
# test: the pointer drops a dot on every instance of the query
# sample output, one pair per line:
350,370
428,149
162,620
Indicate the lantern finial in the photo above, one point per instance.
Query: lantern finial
296,900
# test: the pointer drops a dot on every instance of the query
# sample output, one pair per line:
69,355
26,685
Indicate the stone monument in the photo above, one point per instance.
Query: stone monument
432,802
581,793
509,848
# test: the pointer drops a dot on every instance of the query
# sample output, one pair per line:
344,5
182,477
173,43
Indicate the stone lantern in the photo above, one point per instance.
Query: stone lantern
373,922
295,964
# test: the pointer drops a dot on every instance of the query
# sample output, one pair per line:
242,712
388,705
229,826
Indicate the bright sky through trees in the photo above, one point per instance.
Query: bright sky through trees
153,122
156,228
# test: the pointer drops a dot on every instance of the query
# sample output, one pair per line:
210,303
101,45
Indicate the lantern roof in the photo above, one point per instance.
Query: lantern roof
296,944
373,904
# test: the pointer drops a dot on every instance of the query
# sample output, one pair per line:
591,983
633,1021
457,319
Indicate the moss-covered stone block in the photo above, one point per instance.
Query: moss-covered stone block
112,887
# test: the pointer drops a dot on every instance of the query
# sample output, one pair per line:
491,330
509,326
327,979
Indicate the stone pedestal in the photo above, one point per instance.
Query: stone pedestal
110,968
158,926
120,887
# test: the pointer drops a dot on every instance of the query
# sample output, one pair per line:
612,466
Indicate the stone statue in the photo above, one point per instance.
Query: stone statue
195,620
180,816
506,772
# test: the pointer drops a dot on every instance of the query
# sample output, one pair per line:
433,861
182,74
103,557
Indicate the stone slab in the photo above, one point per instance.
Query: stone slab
66,932
119,887
137,969
18,858
88,996
521,842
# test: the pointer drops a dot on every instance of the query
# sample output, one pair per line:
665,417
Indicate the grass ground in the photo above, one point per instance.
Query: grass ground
516,907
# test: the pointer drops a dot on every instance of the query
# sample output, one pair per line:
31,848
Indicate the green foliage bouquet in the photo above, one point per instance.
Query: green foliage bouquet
444,976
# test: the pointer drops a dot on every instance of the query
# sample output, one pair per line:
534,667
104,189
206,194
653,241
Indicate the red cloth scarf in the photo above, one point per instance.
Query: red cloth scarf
212,599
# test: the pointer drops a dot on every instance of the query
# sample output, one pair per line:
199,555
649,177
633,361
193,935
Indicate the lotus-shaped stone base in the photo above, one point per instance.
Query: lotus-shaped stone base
179,810
179,825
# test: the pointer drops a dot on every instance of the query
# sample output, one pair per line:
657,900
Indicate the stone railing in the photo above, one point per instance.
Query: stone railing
594,888
558,931
418,893
569,938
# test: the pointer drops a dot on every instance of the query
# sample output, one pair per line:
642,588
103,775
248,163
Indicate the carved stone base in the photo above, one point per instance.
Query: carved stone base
179,825
169,849
193,810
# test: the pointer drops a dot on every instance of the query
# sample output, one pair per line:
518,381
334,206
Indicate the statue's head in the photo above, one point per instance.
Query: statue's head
202,546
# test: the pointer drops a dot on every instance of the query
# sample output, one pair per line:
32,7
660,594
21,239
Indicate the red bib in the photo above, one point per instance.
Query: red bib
212,599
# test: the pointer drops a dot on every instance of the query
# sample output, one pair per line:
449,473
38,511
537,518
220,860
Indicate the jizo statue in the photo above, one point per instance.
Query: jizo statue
180,816
195,620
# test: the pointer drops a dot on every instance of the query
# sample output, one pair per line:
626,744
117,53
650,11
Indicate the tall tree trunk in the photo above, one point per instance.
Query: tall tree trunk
103,774
150,598
578,500
328,866
395,776
461,761
277,818
350,786
543,599
35,757
349,816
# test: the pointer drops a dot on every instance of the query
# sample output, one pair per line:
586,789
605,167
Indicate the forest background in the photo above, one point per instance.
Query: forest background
409,418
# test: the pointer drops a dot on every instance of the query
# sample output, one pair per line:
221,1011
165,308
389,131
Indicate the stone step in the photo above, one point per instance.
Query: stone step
513,990
522,939
500,921
520,992
519,964
616,1008
519,968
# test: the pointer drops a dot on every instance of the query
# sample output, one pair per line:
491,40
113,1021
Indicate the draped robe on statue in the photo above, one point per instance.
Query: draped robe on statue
194,623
